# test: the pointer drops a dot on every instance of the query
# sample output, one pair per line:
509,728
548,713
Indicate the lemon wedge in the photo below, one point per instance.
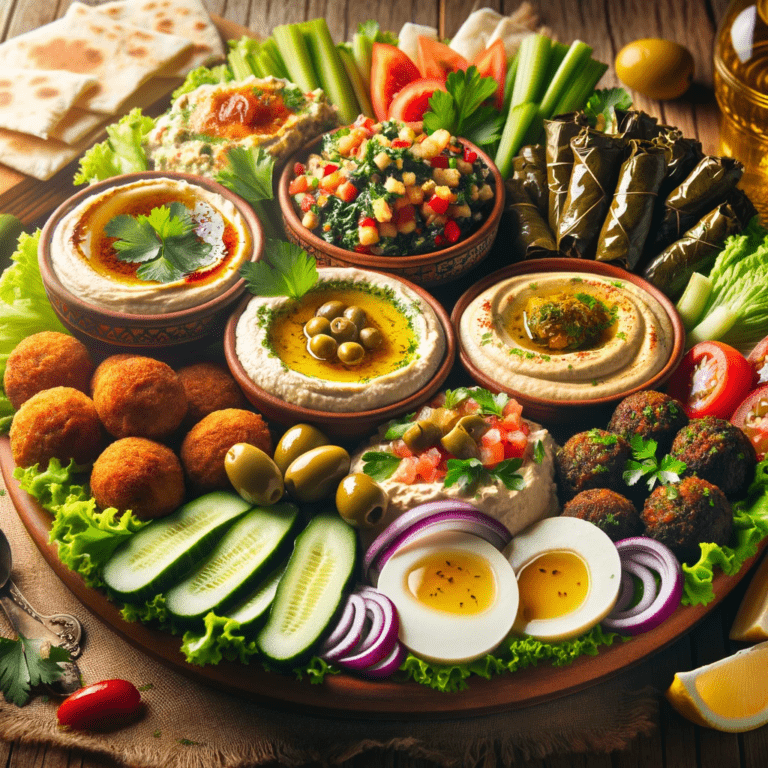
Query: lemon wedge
727,695
751,622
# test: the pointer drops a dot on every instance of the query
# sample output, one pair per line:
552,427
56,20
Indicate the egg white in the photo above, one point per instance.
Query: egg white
601,557
439,636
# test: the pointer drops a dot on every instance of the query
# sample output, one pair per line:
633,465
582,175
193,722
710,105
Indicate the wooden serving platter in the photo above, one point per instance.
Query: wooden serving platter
351,696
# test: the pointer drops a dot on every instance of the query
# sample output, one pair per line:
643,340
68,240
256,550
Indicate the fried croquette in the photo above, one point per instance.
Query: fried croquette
61,423
209,387
43,361
611,512
206,445
140,475
652,415
138,397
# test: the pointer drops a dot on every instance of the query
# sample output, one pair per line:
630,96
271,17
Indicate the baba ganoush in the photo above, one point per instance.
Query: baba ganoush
86,262
272,344
567,335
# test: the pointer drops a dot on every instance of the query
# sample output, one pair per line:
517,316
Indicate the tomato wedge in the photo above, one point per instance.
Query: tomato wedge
751,417
391,71
436,59
758,359
492,62
413,101
712,380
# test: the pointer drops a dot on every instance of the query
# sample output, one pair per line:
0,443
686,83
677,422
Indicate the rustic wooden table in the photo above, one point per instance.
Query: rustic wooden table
606,26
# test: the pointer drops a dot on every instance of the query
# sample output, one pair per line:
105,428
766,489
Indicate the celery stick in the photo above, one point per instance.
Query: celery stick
714,326
360,87
509,83
691,304
330,69
557,53
242,58
580,88
577,56
269,53
362,47
518,122
532,69
293,50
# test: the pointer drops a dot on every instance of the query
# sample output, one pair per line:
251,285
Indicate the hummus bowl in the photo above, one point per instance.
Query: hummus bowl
568,338
267,347
100,297
426,269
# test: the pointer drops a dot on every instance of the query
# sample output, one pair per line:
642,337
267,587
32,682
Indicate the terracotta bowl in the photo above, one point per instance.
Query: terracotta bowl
427,269
349,425
574,412
112,329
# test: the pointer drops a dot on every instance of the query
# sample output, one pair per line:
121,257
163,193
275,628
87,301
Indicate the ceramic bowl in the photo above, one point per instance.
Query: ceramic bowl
118,330
572,412
345,425
427,269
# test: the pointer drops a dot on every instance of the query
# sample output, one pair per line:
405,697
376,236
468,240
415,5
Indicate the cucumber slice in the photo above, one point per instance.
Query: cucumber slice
246,551
161,553
690,305
311,590
253,611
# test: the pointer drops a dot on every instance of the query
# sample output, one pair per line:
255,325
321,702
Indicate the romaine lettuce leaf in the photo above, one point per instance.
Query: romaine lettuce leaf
203,76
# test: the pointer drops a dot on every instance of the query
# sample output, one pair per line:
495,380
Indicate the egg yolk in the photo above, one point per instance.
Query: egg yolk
552,585
453,581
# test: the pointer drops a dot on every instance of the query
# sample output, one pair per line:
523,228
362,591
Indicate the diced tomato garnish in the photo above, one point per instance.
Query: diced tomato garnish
298,185
400,449
366,123
491,437
439,161
469,155
367,222
452,231
347,191
438,204
515,445
299,169
407,471
307,202
329,169
511,413
491,455
401,143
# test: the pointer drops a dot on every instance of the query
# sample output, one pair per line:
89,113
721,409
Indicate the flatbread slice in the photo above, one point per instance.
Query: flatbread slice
120,56
186,18
35,100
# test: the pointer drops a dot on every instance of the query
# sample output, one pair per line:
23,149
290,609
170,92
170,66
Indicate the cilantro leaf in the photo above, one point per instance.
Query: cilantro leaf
488,402
248,173
43,661
466,473
538,452
137,239
455,397
602,105
380,465
506,471
643,449
633,472
670,469
644,464
14,673
285,270
396,429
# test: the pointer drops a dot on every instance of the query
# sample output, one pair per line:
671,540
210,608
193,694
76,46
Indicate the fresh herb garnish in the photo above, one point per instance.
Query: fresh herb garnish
597,436
488,402
470,473
373,31
396,429
602,105
25,664
538,451
284,270
164,243
293,99
248,173
644,464
380,465
462,111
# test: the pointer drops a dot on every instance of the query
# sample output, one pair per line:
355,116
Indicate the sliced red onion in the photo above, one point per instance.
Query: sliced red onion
353,634
342,628
389,665
375,613
649,587
626,592
383,643
470,521
406,520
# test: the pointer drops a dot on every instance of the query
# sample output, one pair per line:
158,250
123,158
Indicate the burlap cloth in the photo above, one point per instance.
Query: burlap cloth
188,725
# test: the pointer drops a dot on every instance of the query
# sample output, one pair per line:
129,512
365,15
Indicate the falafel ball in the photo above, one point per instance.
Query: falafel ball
717,451
686,514
138,474
138,397
611,512
206,444
209,387
60,423
652,415
592,459
43,361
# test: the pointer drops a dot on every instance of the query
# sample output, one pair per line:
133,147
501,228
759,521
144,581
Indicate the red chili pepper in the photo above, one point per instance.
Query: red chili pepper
108,704
439,161
367,222
401,143
299,169
469,155
438,204
329,169
452,231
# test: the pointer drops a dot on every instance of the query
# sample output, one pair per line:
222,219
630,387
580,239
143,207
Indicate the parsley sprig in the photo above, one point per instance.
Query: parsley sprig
379,464
645,465
26,663
602,105
470,473
284,270
490,404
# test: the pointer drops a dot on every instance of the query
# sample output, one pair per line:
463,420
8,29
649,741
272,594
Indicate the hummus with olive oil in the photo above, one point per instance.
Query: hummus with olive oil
634,343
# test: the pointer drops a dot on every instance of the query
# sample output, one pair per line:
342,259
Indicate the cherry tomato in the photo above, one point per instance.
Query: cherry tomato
105,705
752,418
712,380
759,362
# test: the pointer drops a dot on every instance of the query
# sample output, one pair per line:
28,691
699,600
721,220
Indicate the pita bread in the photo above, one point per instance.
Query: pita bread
87,42
35,100
185,18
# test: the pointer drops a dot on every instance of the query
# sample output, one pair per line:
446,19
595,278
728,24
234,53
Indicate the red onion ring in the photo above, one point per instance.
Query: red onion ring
342,628
626,593
649,587
389,665
352,637
382,645
376,614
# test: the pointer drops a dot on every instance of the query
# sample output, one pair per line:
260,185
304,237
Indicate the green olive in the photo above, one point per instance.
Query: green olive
343,329
299,439
356,315
361,501
445,418
253,474
317,325
331,309
460,443
474,426
315,474
422,435
351,353
322,346
370,337
658,69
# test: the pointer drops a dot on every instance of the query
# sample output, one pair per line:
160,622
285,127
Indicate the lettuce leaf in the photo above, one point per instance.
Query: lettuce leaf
203,76
221,639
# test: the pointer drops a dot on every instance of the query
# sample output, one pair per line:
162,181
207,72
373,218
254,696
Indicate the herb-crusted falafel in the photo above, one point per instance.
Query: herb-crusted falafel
611,512
652,415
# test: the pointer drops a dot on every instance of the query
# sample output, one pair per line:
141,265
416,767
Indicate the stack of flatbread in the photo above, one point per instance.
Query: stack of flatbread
62,83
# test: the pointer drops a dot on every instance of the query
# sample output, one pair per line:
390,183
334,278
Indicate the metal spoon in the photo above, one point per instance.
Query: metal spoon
60,629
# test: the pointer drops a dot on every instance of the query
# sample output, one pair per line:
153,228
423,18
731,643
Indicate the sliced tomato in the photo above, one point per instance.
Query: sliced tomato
391,71
752,418
712,380
758,359
413,100
492,62
437,59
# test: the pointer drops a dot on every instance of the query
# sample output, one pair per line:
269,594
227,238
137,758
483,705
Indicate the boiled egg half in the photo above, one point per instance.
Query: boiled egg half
568,575
456,596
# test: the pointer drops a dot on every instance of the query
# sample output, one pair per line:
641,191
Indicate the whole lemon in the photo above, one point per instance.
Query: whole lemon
658,69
